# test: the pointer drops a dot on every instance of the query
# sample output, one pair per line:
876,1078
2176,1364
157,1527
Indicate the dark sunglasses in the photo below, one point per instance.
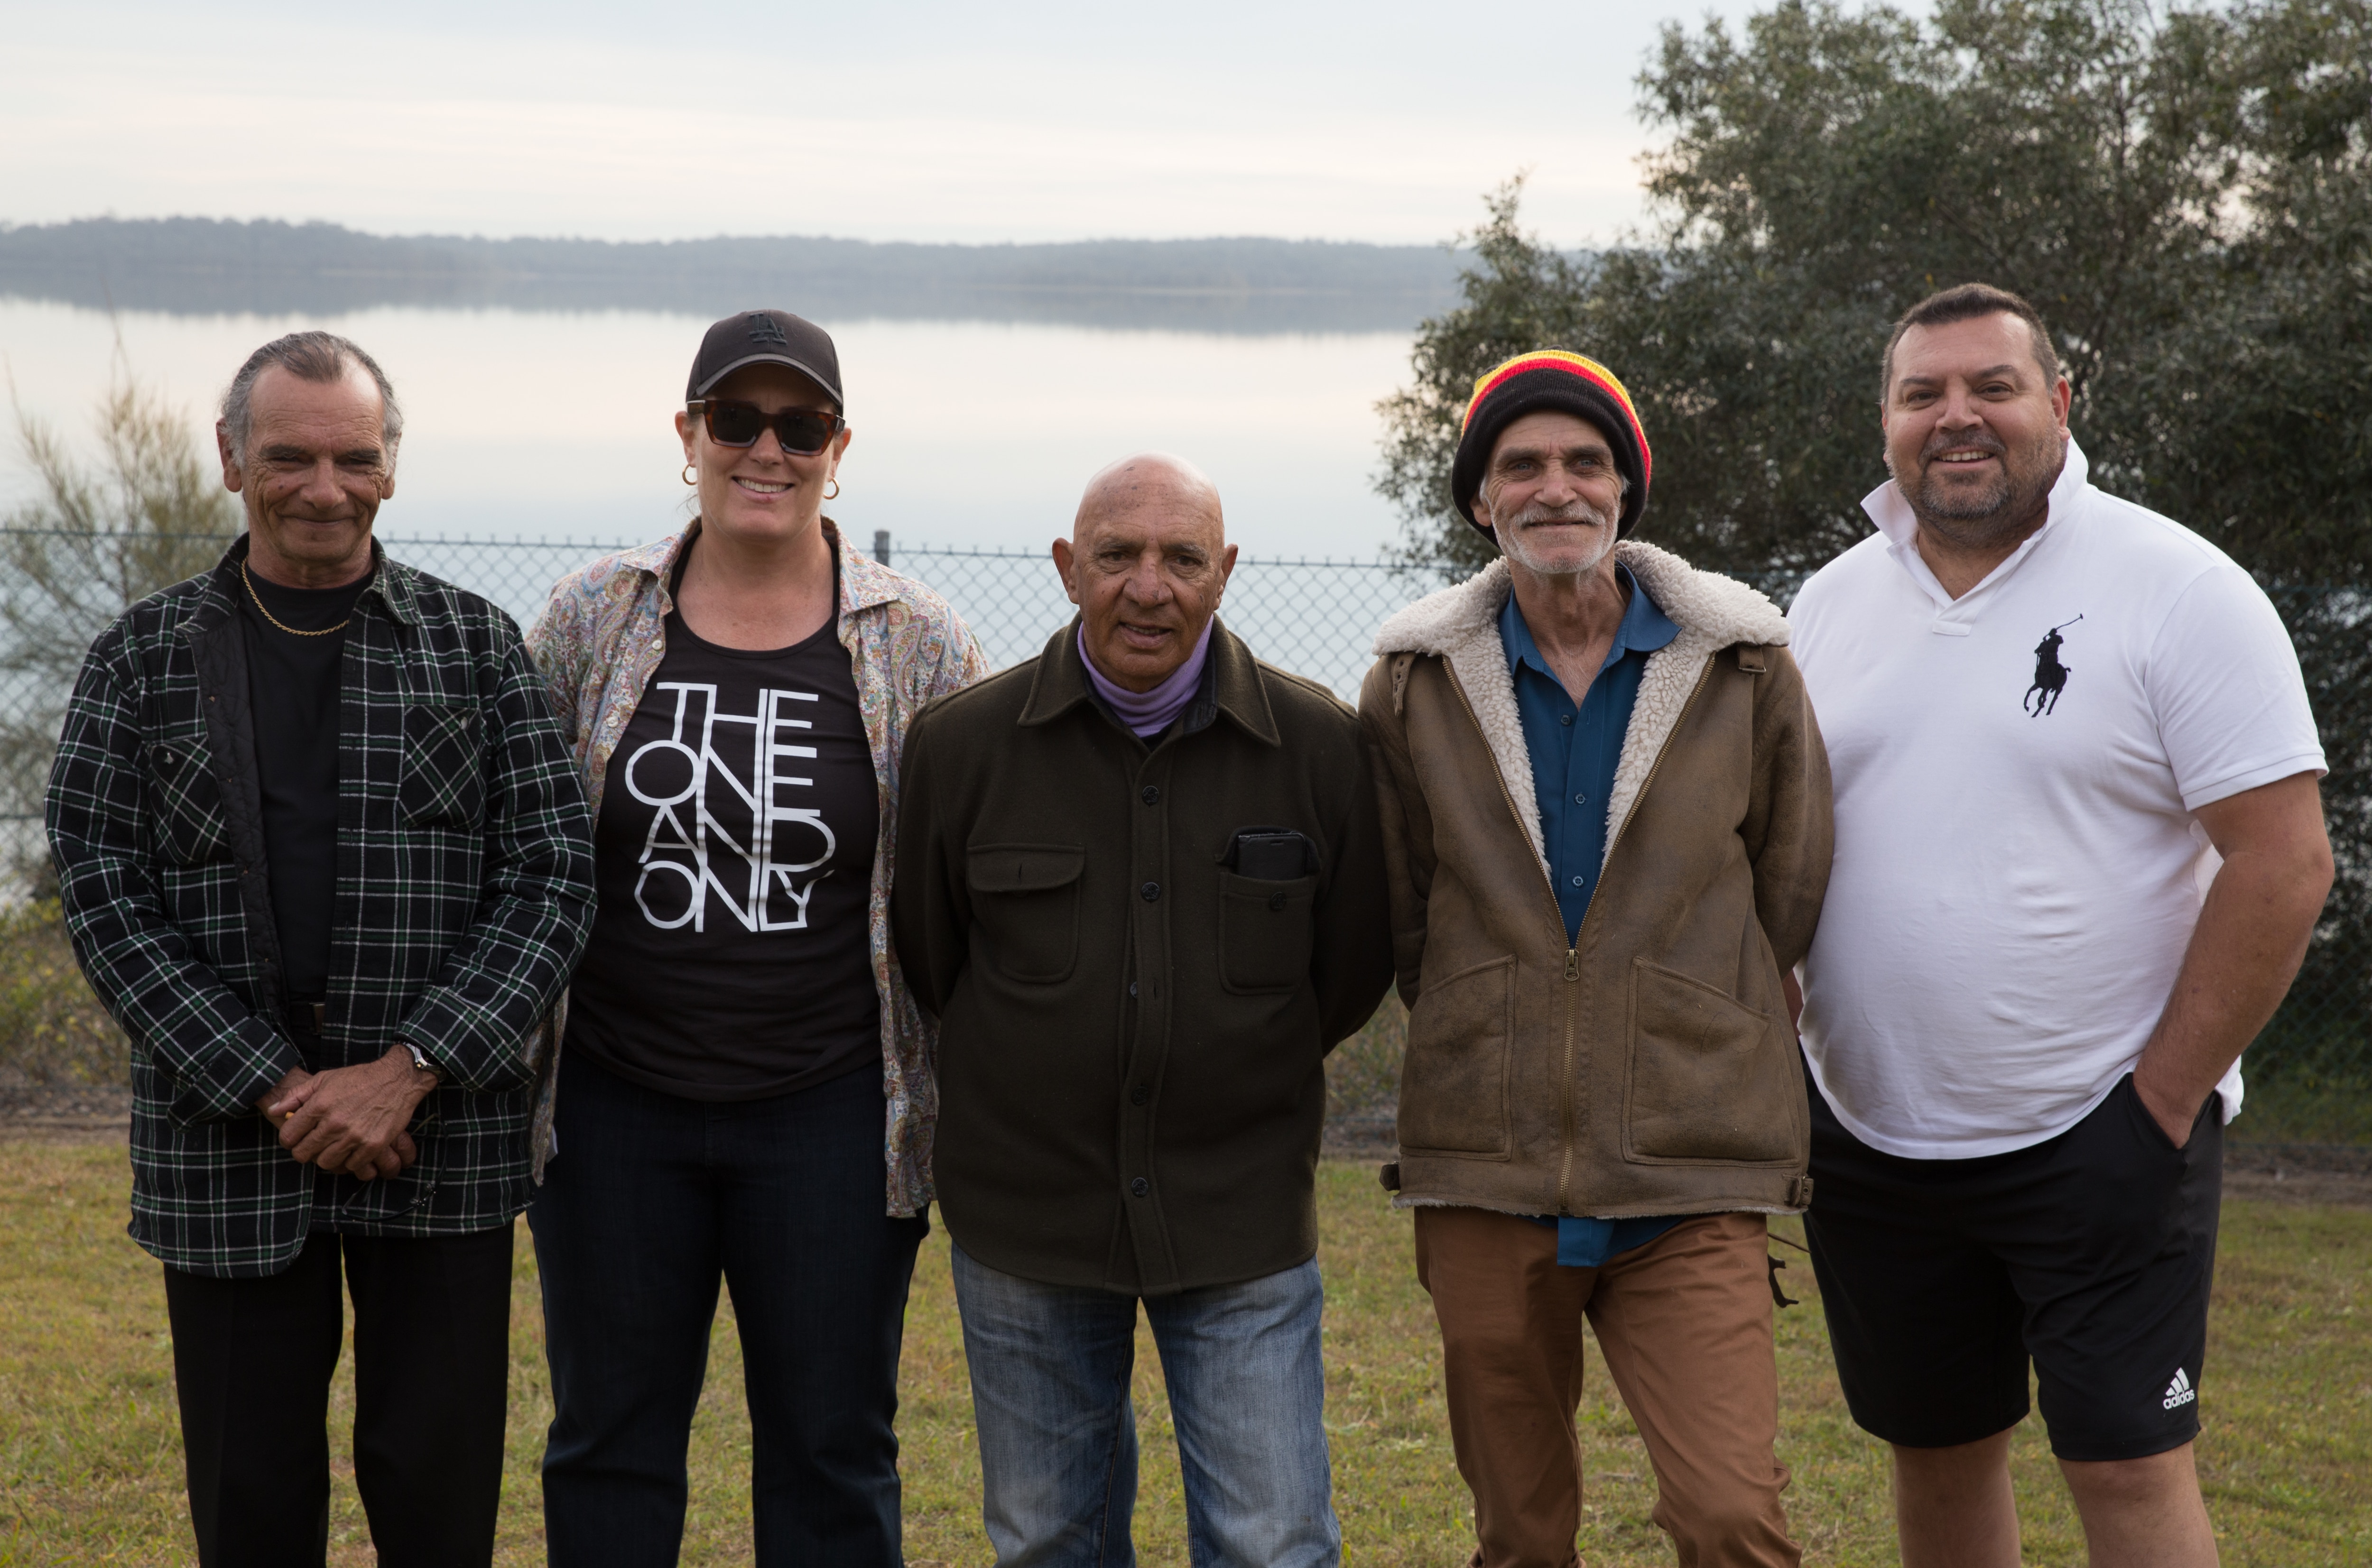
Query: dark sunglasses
803,432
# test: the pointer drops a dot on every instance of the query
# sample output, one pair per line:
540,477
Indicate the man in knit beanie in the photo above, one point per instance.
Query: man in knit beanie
1605,808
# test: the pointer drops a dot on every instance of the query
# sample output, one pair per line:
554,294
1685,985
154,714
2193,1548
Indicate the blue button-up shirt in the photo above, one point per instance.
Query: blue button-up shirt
1575,749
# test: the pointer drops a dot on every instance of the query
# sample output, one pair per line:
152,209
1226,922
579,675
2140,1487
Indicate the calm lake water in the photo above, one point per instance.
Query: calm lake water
552,425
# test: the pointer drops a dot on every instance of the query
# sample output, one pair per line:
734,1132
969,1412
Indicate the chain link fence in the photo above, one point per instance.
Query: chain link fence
1315,618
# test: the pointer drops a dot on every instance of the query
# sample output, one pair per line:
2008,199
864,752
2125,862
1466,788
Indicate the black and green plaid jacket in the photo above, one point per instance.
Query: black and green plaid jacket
464,895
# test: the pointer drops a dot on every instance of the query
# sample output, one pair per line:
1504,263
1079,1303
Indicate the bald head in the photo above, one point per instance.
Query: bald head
1146,562
1180,494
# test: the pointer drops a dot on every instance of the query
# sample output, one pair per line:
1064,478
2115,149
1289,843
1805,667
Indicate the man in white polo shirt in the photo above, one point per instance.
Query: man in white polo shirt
2079,852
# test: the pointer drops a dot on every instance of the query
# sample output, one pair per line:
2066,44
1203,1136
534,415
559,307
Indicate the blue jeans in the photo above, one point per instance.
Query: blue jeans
1050,1375
650,1200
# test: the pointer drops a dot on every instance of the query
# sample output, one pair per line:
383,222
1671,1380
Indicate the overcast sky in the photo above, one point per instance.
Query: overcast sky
1382,121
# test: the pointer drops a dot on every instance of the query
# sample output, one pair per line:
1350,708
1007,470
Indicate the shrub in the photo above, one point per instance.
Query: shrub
52,1030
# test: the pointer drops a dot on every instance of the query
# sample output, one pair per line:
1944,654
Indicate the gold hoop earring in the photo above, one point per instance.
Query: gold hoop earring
834,494
687,475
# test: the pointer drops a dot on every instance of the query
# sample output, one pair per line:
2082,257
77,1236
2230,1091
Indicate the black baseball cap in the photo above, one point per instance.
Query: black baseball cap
766,337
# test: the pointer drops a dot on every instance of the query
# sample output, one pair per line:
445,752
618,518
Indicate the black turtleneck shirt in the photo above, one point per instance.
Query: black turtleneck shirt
293,682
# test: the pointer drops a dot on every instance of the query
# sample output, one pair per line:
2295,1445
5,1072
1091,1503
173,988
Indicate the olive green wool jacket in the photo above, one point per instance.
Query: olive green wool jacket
1650,1067
1132,1036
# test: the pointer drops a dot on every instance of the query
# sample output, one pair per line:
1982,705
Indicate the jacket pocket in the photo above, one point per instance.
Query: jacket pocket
192,828
1709,1078
1264,932
1025,902
440,784
1453,1079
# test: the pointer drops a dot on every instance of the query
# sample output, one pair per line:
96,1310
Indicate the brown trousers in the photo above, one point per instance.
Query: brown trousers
1685,1326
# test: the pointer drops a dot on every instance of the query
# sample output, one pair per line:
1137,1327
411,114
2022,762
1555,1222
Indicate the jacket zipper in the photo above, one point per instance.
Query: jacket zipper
1571,960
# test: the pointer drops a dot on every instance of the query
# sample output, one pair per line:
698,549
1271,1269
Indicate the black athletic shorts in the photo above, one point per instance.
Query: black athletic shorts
2092,1253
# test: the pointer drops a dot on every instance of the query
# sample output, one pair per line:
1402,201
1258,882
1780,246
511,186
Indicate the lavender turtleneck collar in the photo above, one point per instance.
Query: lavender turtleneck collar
1149,713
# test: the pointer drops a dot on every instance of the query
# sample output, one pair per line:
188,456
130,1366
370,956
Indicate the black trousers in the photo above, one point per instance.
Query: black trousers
252,1360
652,1200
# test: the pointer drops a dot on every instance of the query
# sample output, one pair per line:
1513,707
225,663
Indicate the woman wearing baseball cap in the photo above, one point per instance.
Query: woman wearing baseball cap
745,1090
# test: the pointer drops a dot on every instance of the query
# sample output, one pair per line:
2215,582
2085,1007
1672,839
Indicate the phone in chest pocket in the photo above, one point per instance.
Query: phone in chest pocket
1271,855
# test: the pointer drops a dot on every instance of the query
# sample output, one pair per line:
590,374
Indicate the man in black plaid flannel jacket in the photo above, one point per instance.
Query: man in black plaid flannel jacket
437,907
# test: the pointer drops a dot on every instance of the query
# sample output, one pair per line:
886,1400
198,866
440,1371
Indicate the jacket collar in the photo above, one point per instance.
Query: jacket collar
1460,626
865,584
1706,604
1232,682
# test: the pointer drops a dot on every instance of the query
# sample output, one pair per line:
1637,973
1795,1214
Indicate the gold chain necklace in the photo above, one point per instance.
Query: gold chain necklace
283,624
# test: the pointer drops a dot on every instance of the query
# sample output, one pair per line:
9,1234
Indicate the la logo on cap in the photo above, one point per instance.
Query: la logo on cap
763,329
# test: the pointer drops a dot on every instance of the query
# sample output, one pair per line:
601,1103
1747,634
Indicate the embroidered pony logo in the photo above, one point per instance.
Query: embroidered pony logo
2050,675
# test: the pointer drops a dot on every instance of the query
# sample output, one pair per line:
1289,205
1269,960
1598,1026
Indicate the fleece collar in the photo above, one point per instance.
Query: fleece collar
1460,626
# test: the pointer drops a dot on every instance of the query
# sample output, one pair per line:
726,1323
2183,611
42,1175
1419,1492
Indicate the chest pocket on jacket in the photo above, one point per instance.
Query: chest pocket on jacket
440,785
1264,932
191,828
1026,899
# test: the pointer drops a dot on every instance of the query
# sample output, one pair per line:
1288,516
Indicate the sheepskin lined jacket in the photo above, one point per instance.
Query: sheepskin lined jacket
1649,1068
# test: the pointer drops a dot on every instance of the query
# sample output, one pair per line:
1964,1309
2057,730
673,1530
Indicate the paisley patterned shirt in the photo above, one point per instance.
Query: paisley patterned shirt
597,645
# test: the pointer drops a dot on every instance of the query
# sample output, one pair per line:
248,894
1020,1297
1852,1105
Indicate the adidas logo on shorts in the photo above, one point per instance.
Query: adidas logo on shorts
2180,1391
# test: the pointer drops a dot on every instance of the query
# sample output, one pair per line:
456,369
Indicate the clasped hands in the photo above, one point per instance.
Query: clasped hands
351,1121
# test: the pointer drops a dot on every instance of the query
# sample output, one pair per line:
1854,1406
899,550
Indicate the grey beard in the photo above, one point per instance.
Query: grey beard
1510,538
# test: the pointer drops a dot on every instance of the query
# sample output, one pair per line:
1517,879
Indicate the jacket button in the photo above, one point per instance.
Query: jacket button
1276,902
1140,1187
1139,1095
1150,793
1151,891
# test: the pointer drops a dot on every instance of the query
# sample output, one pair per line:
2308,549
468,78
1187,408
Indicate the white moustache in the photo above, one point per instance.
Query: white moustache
1580,512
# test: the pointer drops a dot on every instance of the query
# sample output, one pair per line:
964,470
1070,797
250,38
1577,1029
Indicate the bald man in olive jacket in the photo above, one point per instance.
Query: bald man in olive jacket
1140,881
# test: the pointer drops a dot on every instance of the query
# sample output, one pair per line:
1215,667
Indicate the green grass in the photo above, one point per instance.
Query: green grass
90,1461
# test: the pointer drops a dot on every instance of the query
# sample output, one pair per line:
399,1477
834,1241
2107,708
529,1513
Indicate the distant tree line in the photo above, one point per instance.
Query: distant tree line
205,266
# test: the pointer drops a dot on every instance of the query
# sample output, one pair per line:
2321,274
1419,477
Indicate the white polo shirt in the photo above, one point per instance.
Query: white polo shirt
2017,871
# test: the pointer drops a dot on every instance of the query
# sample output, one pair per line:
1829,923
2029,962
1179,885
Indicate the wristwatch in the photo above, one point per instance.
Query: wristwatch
420,1062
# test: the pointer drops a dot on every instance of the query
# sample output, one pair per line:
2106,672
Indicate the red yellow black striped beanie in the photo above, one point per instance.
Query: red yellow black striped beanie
1551,378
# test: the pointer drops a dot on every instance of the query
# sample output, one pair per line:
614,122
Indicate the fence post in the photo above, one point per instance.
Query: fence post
881,546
